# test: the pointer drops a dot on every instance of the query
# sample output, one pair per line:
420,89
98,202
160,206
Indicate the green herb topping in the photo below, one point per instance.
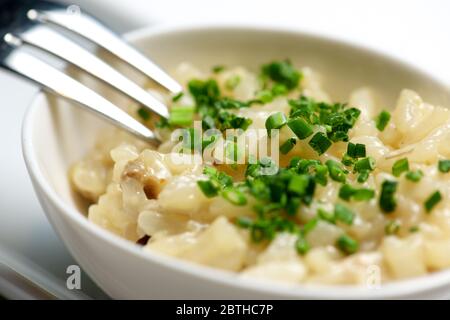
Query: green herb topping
382,120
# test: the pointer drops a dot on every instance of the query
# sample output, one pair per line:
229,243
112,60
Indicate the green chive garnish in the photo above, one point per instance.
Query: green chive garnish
275,121
234,196
288,145
325,215
321,174
264,96
346,192
208,188
320,143
336,171
302,245
282,72
232,82
218,68
178,96
363,194
382,120
400,166
310,225
363,176
357,150
392,227
181,116
444,166
298,184
365,164
387,200
301,128
244,222
347,244
144,114
414,176
343,214
347,160
432,200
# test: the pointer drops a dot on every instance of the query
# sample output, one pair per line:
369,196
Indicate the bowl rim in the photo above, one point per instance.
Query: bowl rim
395,289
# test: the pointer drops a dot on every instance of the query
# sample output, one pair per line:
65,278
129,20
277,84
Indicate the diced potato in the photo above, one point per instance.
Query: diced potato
220,246
282,248
182,195
109,214
323,234
321,260
90,179
437,253
284,271
404,257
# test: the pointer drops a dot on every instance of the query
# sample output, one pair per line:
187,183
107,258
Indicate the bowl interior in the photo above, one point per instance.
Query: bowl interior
62,133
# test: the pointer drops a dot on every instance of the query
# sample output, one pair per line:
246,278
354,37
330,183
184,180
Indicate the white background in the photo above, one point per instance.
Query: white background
417,31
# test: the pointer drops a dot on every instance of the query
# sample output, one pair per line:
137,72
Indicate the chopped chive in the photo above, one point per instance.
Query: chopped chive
444,166
218,68
365,164
343,214
310,225
298,184
279,89
346,192
432,200
178,96
275,121
387,200
244,222
288,145
363,194
320,143
325,215
382,120
292,205
392,227
321,174
357,150
400,166
232,82
181,115
265,96
347,160
347,244
208,188
301,128
301,245
414,229
282,72
257,233
144,114
414,176
363,176
336,171
234,196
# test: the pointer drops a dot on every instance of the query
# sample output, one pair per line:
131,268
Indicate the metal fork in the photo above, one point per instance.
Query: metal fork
32,23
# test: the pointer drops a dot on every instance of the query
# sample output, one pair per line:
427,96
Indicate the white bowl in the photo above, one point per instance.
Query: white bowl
55,135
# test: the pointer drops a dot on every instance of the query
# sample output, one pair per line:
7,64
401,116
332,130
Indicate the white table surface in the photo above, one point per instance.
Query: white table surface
417,31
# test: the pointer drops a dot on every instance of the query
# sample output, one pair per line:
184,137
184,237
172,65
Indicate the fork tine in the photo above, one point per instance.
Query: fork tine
45,38
91,29
54,80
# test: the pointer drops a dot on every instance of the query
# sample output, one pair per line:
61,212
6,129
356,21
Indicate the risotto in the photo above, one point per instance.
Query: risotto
350,193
